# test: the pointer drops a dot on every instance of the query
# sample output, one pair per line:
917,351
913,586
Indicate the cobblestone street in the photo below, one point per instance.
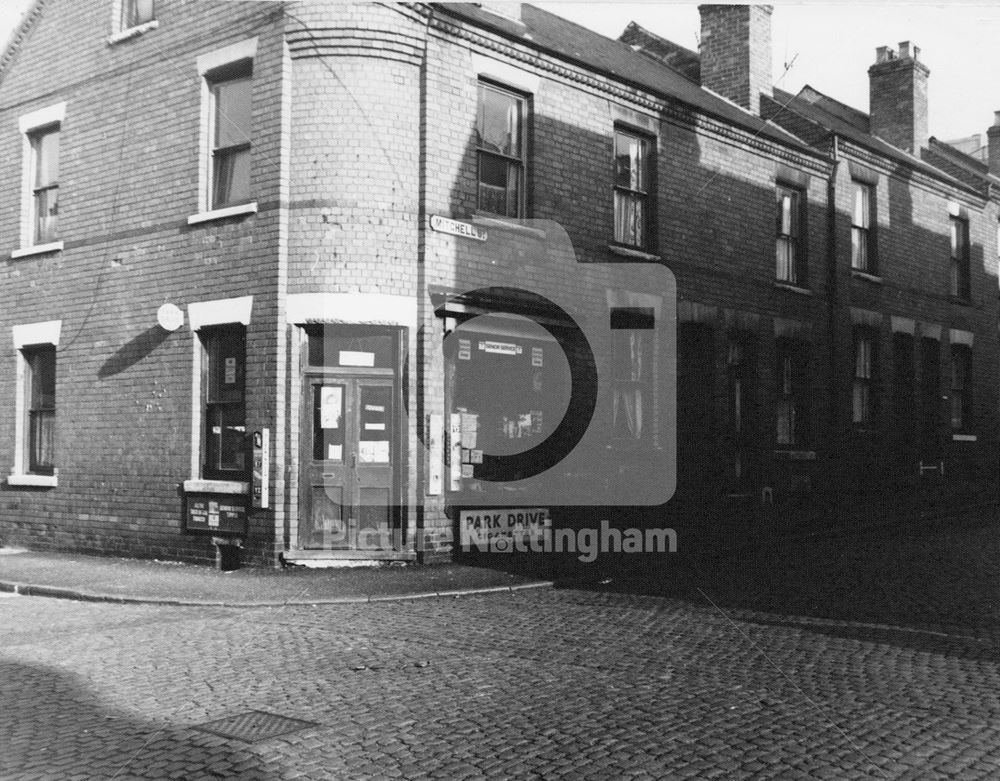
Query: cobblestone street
571,684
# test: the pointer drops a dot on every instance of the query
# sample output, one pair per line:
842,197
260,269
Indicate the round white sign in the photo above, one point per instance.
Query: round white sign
169,317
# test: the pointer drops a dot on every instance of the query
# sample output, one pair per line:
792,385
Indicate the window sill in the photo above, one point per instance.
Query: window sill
35,481
855,272
216,487
795,455
221,214
960,301
501,224
802,291
133,32
630,252
38,249
963,438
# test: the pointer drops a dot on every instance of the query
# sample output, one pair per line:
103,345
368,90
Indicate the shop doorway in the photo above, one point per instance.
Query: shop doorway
350,442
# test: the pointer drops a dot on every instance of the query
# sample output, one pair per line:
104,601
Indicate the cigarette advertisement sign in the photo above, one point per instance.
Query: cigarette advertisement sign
487,526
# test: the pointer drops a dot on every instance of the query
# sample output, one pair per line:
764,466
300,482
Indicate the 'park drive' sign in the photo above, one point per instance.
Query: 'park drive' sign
481,527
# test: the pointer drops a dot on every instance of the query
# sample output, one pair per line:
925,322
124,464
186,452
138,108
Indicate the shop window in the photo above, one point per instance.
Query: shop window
508,386
137,12
225,404
790,258
632,189
500,131
40,376
792,414
863,247
960,287
632,348
863,395
961,366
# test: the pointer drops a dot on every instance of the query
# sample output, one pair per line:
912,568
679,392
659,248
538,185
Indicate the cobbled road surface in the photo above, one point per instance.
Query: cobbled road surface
541,684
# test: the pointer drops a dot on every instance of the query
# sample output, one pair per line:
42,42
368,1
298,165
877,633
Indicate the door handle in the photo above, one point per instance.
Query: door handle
354,460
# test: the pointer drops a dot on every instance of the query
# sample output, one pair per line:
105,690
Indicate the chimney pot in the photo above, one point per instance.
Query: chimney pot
996,119
993,145
898,97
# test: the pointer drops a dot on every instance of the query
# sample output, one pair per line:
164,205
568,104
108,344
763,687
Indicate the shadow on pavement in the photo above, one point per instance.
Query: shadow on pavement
54,726
916,584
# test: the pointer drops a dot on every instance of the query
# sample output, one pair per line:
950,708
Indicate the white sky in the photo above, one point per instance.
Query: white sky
832,43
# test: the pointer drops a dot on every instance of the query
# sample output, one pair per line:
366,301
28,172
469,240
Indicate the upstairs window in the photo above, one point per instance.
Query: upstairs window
136,12
230,96
960,287
961,364
632,189
790,257
863,254
40,362
500,151
45,184
863,402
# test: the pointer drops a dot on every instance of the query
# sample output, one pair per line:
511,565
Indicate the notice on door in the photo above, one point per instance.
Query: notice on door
331,404
374,451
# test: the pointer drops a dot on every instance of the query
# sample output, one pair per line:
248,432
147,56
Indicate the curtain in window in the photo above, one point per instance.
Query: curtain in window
785,260
42,438
630,218
628,393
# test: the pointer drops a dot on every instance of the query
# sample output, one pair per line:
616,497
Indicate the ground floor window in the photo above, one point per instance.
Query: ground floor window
225,403
41,408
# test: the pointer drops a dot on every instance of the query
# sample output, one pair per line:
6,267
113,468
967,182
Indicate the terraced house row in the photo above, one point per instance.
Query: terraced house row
288,275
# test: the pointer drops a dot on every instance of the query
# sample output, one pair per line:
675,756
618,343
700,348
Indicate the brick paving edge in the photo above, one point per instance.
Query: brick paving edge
59,592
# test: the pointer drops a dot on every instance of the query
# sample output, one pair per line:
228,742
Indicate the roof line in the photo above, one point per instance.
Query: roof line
20,32
791,142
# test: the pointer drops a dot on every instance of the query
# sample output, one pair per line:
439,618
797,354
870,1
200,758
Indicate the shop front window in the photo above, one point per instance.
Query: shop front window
225,406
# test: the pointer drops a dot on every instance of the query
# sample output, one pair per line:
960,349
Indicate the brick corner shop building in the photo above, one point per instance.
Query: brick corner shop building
230,231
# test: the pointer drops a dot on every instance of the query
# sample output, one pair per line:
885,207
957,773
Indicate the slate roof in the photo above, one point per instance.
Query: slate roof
569,41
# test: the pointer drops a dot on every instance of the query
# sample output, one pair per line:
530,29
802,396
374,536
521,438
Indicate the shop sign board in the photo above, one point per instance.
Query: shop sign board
215,514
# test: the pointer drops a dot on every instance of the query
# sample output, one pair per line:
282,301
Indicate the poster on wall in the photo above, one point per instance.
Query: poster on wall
331,402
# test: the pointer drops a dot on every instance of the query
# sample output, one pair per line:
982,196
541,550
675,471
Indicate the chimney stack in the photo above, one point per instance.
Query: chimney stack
993,145
736,52
898,97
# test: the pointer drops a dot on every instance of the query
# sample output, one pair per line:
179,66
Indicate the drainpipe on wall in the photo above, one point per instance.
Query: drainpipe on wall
832,297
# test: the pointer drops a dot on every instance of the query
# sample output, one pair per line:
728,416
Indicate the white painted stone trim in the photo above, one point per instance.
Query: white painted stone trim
504,73
37,333
37,249
243,50
356,308
220,214
220,312
36,481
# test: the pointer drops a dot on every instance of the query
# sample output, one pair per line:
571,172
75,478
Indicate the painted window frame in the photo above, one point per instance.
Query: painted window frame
864,247
959,276
642,190
523,101
864,377
790,232
34,126
216,67
960,388
33,339
207,318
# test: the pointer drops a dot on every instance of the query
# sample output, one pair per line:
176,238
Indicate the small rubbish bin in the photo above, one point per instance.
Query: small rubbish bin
228,554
